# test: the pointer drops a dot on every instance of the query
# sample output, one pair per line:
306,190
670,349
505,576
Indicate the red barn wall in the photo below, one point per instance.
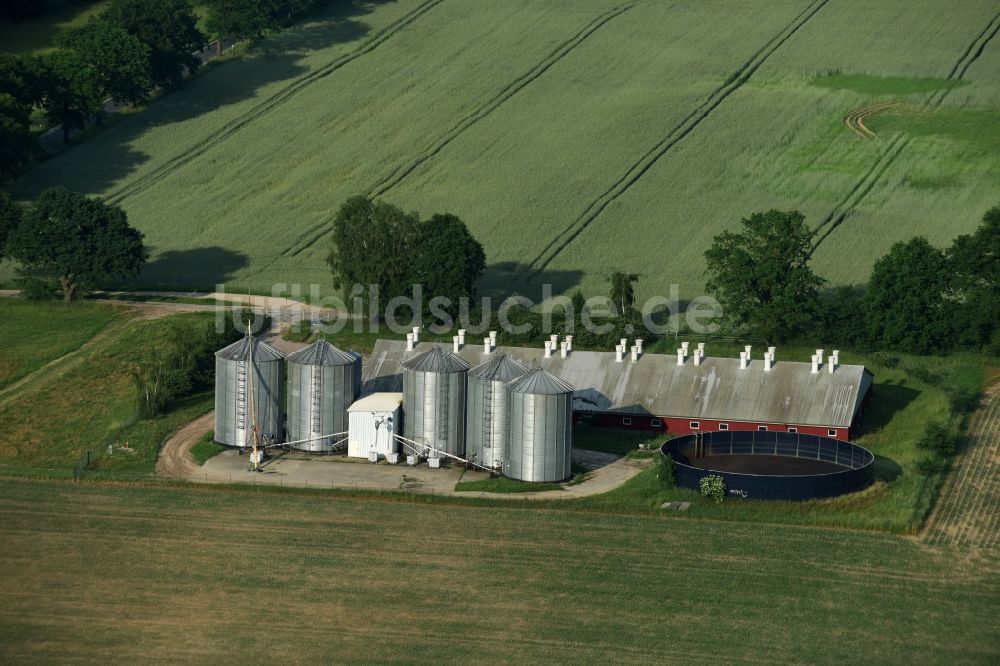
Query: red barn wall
682,426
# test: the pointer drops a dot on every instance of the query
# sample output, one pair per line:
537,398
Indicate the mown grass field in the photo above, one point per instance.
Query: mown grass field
35,334
87,399
576,138
126,574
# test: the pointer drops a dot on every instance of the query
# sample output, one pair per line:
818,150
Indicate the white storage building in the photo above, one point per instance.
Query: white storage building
372,423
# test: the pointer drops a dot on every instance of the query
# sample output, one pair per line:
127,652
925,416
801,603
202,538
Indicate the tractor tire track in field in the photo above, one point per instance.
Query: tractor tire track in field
968,513
639,168
856,195
313,235
270,104
855,120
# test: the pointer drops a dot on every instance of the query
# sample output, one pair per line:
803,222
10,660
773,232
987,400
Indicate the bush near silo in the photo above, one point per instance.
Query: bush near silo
713,487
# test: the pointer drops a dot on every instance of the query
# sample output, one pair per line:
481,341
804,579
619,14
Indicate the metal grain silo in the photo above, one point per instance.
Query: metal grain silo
540,444
434,400
323,381
233,378
488,396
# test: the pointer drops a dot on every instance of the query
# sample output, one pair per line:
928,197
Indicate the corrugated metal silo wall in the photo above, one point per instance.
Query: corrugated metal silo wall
540,445
488,420
338,387
269,397
434,409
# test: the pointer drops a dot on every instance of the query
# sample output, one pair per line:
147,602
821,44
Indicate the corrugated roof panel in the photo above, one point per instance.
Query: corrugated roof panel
656,385
322,352
240,351
539,382
499,367
436,359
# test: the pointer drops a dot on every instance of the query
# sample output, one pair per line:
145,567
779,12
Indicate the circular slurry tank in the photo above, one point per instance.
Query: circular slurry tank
488,422
434,400
771,465
323,381
233,379
540,445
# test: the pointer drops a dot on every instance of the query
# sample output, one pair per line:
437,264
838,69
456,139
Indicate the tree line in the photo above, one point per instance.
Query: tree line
124,53
918,298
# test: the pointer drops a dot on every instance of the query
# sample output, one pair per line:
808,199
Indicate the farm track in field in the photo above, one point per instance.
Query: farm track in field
313,234
856,195
855,120
968,515
268,105
673,137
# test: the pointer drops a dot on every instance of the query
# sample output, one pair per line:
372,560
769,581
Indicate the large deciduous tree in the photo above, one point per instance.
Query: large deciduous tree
80,241
905,302
119,60
168,27
71,90
622,291
761,276
974,270
373,242
10,219
447,260
19,92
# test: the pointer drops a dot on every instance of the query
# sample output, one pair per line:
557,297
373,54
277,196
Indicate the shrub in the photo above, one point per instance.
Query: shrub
940,439
713,487
963,400
931,465
667,474
300,331
37,289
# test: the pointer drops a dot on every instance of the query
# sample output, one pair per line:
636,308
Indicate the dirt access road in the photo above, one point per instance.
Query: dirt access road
609,471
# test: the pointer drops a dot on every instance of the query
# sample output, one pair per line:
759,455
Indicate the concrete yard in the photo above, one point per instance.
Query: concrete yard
302,470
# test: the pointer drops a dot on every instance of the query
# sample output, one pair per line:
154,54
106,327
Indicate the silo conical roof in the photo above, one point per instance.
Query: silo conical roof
540,382
436,359
499,367
321,352
240,351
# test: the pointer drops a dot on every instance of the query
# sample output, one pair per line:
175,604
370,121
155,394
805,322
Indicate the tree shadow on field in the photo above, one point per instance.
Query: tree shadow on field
886,469
190,270
501,280
882,404
98,160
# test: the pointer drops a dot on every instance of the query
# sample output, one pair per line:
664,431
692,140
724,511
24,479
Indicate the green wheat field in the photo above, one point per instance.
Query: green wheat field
576,138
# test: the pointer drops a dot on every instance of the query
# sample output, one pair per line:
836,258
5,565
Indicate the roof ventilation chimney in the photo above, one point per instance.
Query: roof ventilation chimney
554,339
635,353
416,334
744,360
548,349
461,336
815,364
409,342
833,361
487,345
638,343
564,349
698,357
819,352
456,344
493,338
768,360
569,343
619,353
684,348
680,356
747,349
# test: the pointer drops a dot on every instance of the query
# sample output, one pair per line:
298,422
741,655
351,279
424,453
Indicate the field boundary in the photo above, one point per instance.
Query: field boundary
843,209
268,105
403,170
688,124
967,515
